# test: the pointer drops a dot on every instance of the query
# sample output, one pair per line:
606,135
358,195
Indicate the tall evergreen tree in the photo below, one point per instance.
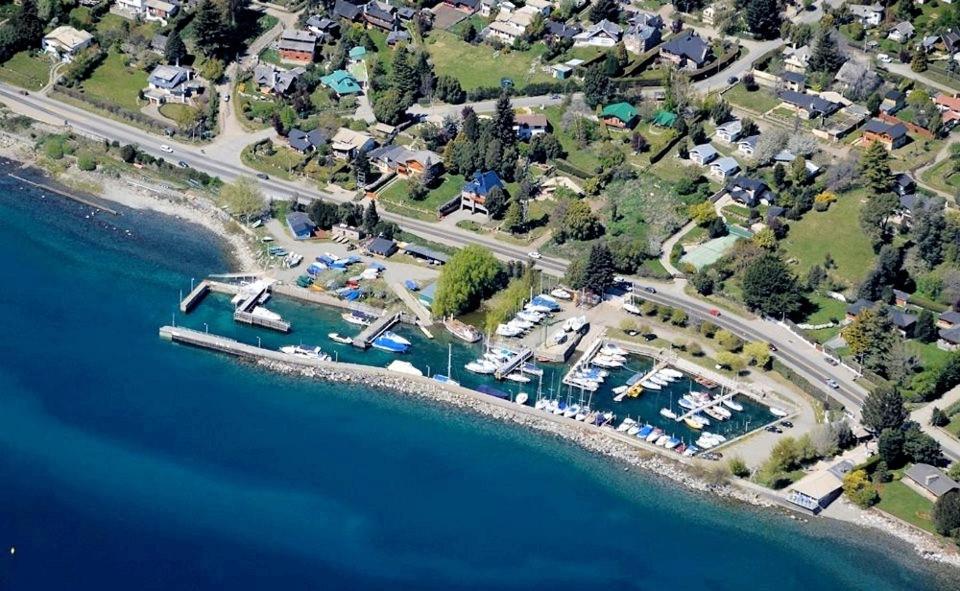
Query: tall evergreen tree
600,270
825,56
926,329
883,409
763,18
503,122
211,29
496,203
596,85
370,217
174,51
875,168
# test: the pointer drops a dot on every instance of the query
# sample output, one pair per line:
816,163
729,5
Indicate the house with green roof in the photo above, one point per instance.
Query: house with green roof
664,118
341,82
622,115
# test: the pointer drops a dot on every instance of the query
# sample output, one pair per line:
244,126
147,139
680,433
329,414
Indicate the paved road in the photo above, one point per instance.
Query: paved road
950,444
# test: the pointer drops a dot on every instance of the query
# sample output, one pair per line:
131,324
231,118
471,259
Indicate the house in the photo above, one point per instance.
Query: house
904,184
406,14
167,83
556,31
857,75
814,492
893,101
130,8
345,232
381,247
748,145
505,30
273,80
348,11
854,309
796,59
528,126
602,34
341,82
910,204
357,53
730,131
620,115
297,46
306,141
794,81
869,15
561,71
950,41
786,156
405,162
379,15
346,143
900,298
160,11
65,42
749,192
158,44
949,339
929,481
902,321
324,28
642,37
703,154
949,319
949,107
929,43
398,36
468,6
686,50
891,136
473,195
544,7
725,167
806,105
901,32
300,224
423,253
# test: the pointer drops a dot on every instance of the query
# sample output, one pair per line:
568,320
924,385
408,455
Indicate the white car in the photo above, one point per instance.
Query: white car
884,58
166,149
535,255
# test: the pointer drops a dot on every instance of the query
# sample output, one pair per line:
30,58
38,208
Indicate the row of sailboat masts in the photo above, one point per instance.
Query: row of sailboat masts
714,402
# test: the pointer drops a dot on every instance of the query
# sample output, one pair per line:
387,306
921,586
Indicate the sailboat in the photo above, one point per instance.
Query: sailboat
447,379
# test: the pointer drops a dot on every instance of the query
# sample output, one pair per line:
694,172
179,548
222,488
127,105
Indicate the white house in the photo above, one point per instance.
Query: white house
602,34
724,168
901,32
65,42
730,131
869,15
528,126
703,154
346,143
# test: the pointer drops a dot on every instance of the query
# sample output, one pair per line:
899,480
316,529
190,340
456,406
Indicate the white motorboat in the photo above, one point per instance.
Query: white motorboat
585,384
701,419
561,294
305,352
396,338
262,312
654,435
662,440
518,377
732,404
634,429
665,376
778,412
338,338
404,367
620,389
538,308
650,385
530,316
626,424
612,349
659,381
521,398
631,308
481,367
667,413
726,414
571,411
672,372
521,323
506,330
712,413
602,361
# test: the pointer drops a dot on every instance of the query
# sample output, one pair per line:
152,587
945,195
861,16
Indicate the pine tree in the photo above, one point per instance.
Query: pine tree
883,409
599,269
763,18
875,168
513,219
496,202
370,217
825,56
174,51
503,122
210,29
925,330
596,85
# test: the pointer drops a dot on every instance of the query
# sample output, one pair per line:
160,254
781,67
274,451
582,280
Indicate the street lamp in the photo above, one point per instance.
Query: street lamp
258,342
206,328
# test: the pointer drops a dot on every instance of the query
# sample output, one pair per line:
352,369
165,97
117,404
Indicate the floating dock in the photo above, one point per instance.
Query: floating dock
258,293
592,349
512,363
372,332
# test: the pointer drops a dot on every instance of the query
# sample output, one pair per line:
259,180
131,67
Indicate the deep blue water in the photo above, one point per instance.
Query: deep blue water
130,463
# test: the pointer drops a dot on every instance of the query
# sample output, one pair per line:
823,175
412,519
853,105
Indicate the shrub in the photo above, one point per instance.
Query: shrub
86,161
738,467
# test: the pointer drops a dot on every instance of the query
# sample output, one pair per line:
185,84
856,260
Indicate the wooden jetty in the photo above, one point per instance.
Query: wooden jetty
377,328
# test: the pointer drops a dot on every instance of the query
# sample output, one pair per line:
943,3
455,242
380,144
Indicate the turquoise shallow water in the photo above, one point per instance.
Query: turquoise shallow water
130,463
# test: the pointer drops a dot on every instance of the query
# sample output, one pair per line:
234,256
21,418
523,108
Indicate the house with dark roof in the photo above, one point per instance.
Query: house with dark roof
806,105
643,32
858,306
893,101
556,30
300,224
948,339
900,298
425,254
602,34
295,45
381,247
404,161
324,28
381,16
174,83
273,80
892,136
622,115
473,195
902,321
794,81
686,50
750,192
306,141
397,36
929,481
949,319
468,6
348,11
904,184
901,32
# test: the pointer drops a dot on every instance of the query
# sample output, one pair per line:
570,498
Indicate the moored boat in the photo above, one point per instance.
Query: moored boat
732,404
338,338
462,330
649,385
693,423
521,398
777,412
404,367
667,413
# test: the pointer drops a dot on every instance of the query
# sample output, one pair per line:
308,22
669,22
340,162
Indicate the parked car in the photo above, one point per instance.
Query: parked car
226,97
831,360
773,429
183,164
771,346
884,58
732,80
833,383
786,424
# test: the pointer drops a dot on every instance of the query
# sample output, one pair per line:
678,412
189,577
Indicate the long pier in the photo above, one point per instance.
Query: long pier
195,297
715,402
372,332
512,363
592,349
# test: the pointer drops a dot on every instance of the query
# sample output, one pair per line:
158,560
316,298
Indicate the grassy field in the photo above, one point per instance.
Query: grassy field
396,195
278,164
582,158
178,112
899,500
115,82
940,177
758,101
478,66
26,70
917,152
836,231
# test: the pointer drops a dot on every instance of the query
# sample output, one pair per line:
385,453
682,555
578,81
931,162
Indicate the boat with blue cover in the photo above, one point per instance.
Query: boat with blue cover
386,344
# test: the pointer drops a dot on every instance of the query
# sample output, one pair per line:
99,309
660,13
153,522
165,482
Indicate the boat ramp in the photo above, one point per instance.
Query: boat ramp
377,328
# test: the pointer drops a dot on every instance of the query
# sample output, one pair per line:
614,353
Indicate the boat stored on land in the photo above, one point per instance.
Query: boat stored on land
404,367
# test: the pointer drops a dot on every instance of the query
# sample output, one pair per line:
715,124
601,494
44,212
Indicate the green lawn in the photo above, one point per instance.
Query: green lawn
899,500
178,112
581,158
396,197
917,152
827,310
954,425
930,355
759,101
478,66
115,82
26,70
940,177
278,164
835,231
271,56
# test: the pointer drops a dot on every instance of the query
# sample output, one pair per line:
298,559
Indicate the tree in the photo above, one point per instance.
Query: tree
870,337
919,61
938,418
579,223
470,32
243,198
859,489
703,282
925,330
703,213
211,31
128,153
875,169
890,447
503,122
946,514
604,9
731,361
763,18
600,271
638,142
720,112
770,287
596,85
371,218
728,341
678,317
883,409
471,274
324,214
758,353
927,229
496,203
765,238
920,447
389,107
738,467
875,215
175,50
825,57
513,218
